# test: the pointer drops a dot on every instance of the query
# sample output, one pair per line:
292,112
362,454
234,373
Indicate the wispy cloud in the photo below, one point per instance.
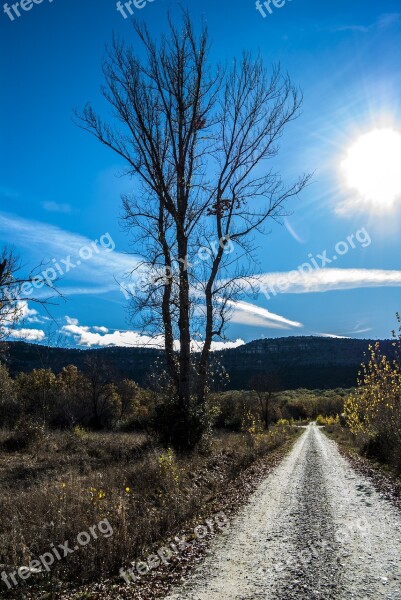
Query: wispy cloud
360,28
388,20
246,313
331,335
57,207
48,244
384,21
326,280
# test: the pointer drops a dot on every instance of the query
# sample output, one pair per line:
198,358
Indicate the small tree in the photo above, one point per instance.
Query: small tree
373,412
264,386
70,406
37,392
197,140
10,291
10,409
101,394
129,394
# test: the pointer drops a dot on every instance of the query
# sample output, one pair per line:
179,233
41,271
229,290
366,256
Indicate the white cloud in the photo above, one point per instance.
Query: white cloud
227,345
250,314
24,314
20,311
30,315
216,346
331,335
25,311
326,280
29,335
101,336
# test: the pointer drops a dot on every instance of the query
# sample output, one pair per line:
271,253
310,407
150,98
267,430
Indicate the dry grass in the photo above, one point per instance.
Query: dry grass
63,483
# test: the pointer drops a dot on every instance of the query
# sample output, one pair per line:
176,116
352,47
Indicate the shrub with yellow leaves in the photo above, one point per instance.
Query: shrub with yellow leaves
169,467
373,412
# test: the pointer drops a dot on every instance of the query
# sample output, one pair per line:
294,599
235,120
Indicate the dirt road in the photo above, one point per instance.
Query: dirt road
313,529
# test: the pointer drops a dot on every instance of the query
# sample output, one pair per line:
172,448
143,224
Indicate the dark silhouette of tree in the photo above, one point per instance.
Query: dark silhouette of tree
264,386
197,140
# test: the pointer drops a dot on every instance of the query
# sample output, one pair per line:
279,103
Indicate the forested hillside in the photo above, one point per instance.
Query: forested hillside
295,362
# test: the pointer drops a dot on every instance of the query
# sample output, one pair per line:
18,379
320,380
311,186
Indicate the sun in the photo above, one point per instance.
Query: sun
372,168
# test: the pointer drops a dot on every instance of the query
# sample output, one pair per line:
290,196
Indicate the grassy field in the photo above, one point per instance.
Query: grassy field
118,490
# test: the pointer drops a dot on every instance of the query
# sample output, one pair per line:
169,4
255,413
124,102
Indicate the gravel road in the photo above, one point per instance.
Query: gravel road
314,529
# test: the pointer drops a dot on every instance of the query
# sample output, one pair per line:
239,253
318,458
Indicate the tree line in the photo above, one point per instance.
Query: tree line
71,398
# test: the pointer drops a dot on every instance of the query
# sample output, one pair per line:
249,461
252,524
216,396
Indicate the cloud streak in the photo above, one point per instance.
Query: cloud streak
43,240
252,315
327,280
385,21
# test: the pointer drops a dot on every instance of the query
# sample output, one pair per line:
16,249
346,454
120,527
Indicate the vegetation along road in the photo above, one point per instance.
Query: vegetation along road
313,529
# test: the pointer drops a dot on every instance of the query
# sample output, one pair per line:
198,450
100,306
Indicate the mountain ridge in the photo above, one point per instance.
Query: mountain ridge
291,362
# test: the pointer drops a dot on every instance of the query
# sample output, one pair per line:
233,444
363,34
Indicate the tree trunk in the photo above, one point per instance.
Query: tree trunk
184,388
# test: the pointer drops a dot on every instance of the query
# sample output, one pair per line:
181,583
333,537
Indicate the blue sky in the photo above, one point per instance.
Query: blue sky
60,189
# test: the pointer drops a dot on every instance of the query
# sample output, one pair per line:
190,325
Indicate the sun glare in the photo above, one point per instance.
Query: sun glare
372,168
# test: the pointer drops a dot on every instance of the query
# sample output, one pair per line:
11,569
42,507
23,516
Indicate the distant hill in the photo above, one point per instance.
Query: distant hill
292,362
295,362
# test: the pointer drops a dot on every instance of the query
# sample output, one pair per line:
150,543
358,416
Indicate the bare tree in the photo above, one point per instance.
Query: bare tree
196,141
16,290
10,288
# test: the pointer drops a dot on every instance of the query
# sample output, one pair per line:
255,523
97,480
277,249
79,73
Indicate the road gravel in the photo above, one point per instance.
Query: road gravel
314,529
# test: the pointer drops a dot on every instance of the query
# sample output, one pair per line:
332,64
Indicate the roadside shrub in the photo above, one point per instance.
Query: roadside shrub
373,413
381,447
330,423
